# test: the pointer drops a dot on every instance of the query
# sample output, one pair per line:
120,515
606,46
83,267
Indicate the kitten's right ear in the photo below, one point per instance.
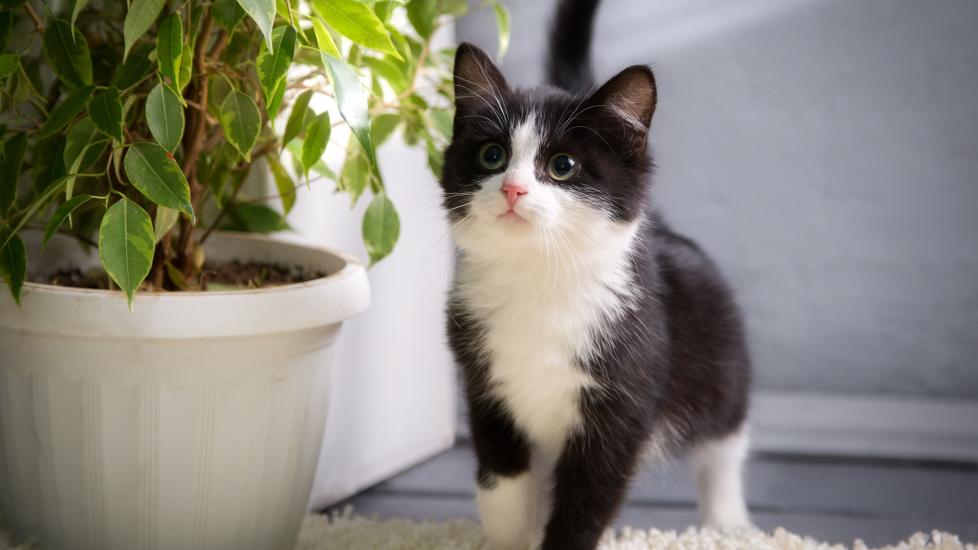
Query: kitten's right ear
478,83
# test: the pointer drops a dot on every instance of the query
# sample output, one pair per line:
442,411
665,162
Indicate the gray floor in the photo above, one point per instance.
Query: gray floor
830,499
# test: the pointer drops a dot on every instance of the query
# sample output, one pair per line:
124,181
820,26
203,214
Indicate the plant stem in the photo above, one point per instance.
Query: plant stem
38,25
193,141
220,216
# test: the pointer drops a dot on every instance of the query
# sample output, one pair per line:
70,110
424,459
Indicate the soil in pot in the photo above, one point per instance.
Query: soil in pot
233,275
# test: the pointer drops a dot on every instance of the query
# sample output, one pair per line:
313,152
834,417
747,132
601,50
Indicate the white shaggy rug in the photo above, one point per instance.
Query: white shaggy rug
350,532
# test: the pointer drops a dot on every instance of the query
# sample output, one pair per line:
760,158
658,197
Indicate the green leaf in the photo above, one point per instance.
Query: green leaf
502,25
381,227
9,62
6,23
166,218
454,7
263,13
61,115
227,13
61,214
49,192
140,17
317,136
176,277
156,175
296,117
186,67
67,53
52,149
402,45
435,157
13,263
10,163
218,89
125,245
275,101
106,113
283,183
241,122
356,21
441,122
385,8
352,101
422,15
195,13
80,144
382,126
321,168
389,71
169,48
81,134
164,115
273,65
355,174
135,68
79,6
256,218
324,41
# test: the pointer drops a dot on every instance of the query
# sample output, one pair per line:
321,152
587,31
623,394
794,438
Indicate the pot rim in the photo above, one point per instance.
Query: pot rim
96,313
350,266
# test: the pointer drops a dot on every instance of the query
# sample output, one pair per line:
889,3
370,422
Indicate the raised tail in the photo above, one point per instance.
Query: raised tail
569,63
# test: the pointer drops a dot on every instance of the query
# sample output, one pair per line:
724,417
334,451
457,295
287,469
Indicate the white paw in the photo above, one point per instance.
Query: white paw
728,520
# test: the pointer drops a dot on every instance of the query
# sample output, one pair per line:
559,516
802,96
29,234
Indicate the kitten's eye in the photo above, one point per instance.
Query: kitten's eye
562,166
492,156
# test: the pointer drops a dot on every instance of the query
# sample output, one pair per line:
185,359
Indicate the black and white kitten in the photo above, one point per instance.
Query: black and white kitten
588,333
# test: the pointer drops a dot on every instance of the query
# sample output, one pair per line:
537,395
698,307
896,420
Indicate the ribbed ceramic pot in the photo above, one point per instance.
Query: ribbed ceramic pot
193,421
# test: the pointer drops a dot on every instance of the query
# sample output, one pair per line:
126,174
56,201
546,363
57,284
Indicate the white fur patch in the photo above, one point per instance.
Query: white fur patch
718,466
509,512
544,290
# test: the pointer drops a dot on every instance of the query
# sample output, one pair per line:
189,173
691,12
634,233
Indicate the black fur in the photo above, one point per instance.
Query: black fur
676,366
569,64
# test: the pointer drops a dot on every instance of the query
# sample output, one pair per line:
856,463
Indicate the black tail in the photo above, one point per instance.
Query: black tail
569,65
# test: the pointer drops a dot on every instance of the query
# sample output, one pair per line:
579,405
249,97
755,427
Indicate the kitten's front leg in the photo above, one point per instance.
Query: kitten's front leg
507,493
590,481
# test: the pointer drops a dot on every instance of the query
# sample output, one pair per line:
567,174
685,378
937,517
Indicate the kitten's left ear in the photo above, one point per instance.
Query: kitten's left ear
478,82
630,97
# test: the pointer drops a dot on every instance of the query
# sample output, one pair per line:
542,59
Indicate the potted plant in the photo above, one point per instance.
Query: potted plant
164,373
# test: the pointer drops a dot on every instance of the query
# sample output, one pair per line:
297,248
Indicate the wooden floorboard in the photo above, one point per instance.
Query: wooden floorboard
831,499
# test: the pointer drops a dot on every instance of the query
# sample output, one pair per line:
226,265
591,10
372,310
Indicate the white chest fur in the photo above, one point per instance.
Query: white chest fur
541,317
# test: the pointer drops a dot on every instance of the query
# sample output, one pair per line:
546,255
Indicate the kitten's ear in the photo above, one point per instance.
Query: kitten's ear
477,80
630,97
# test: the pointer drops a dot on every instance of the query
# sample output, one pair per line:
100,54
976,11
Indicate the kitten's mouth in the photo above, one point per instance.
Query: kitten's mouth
512,217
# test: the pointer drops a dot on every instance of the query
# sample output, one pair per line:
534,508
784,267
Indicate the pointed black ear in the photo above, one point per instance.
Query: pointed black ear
630,95
478,83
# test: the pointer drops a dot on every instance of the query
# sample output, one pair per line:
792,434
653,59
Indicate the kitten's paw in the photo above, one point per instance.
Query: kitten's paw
730,521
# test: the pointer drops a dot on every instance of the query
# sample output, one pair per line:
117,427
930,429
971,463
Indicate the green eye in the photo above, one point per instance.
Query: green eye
492,156
562,166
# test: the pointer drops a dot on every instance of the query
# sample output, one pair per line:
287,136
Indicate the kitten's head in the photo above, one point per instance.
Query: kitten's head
540,168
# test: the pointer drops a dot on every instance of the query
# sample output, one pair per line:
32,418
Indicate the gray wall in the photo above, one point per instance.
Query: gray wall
826,153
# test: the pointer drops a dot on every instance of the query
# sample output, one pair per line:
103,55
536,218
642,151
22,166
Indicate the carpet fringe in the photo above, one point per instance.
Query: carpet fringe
344,530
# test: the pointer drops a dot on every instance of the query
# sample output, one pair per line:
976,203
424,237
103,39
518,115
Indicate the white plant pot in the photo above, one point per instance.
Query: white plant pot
193,421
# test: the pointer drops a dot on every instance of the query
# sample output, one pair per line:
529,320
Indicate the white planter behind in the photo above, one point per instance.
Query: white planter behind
393,401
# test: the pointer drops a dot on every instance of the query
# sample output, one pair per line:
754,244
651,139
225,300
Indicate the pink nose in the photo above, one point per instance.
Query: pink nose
513,192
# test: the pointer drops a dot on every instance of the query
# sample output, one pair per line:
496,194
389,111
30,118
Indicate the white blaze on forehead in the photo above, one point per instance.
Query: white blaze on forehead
525,144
